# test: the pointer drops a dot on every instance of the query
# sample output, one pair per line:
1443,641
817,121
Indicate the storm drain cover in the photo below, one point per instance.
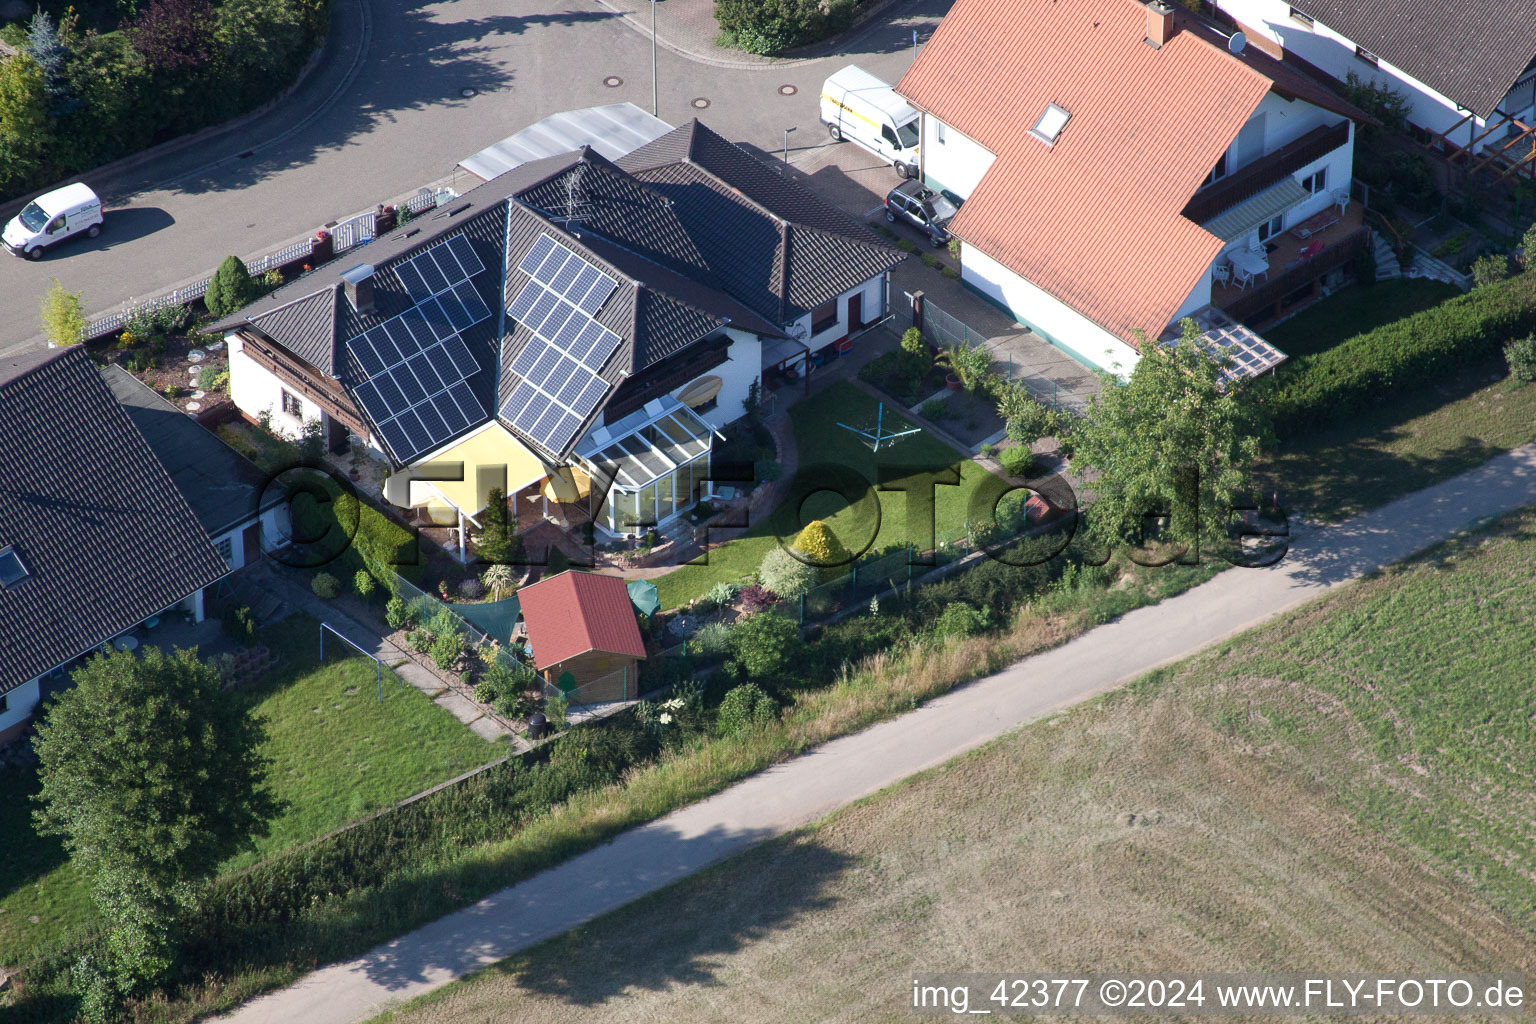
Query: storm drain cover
700,103
467,92
787,90
613,81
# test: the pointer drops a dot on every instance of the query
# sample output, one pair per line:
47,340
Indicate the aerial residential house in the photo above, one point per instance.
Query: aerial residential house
1122,166
574,319
582,633
95,537
1468,71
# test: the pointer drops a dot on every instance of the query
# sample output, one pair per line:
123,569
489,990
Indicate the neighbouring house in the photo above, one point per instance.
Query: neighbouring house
1468,71
1123,165
577,328
242,509
582,633
95,537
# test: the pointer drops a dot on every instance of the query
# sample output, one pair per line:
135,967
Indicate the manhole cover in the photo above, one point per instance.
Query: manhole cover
700,103
467,92
613,81
787,90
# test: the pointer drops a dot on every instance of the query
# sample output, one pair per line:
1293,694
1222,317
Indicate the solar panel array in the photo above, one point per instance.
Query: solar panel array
432,271
558,385
417,365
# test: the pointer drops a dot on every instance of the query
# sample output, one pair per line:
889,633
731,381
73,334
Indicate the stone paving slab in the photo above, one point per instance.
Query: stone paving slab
458,705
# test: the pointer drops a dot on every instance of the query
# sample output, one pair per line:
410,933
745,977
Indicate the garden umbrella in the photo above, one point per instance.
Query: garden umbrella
642,594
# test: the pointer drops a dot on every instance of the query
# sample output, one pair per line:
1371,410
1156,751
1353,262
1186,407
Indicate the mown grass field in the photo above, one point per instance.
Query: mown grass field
337,753
845,457
1347,790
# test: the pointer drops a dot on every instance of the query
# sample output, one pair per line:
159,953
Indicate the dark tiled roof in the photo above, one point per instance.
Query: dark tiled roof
222,487
744,219
306,327
1469,52
95,517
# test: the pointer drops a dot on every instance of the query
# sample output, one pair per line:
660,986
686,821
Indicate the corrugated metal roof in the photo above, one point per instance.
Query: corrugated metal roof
1469,52
1234,223
1095,218
611,130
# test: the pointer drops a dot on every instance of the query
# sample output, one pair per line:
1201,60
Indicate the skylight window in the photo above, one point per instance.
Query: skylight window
12,571
1049,127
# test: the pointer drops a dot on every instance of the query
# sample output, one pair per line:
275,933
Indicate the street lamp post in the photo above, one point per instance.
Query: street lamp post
786,146
654,111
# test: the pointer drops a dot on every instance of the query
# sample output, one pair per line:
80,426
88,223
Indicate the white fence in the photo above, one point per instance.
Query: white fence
347,234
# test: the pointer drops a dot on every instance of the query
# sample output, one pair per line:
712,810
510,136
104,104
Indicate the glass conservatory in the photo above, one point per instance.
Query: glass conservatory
658,459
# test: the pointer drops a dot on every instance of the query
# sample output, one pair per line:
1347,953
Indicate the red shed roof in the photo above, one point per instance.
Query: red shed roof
577,612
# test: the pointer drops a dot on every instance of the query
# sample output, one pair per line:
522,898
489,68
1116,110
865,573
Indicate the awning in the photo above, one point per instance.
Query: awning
782,350
1221,336
1239,220
700,391
566,484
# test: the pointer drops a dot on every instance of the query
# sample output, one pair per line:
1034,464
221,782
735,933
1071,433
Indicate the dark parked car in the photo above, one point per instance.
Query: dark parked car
922,207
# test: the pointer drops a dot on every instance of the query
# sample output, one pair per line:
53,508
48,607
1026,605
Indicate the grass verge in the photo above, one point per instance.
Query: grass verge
1355,311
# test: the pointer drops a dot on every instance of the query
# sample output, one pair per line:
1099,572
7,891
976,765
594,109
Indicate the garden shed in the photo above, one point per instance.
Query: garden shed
583,636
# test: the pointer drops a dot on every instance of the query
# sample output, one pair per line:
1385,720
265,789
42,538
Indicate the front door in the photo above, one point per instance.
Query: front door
855,311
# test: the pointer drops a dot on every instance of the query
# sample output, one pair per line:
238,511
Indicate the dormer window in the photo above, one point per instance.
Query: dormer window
12,569
1049,127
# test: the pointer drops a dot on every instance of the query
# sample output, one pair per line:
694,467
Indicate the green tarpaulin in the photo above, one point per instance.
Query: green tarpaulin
642,594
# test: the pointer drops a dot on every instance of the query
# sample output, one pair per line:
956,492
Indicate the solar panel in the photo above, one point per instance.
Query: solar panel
525,360
408,384
464,253
367,357
431,419
465,399
474,305
432,274
458,353
390,394
395,437
410,277
437,317
542,247
454,418
421,366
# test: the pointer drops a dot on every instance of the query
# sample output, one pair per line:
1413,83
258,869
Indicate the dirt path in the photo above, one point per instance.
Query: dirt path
807,788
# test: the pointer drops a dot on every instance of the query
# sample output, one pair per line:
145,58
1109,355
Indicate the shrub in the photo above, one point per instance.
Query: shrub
364,583
1490,268
1382,102
929,260
905,246
949,272
756,597
230,289
61,315
325,586
744,708
1018,461
1370,368
173,391
765,644
239,624
960,620
771,26
969,363
719,596
507,690
171,318
498,541
784,575
213,380
988,451
447,648
1521,356
557,563
420,640
554,712
713,638
471,589
912,343
936,410
821,547
398,614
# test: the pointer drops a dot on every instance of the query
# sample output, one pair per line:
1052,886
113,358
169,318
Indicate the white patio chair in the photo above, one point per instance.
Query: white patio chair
1242,278
1341,199
1221,273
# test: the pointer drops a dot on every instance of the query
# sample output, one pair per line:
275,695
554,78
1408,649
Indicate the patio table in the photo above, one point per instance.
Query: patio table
1251,263
125,643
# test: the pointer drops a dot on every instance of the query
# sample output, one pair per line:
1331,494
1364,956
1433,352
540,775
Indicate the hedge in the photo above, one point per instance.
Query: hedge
1363,371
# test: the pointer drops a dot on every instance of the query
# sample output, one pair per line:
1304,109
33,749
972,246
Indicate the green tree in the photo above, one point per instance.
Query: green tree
230,289
61,315
765,644
25,134
45,46
785,575
152,777
498,543
820,546
1174,440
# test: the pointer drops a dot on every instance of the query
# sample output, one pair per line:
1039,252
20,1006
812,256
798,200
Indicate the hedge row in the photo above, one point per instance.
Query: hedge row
1368,369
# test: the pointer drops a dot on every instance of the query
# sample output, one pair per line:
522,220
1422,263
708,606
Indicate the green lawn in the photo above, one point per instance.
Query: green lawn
337,753
1355,311
848,460
1405,445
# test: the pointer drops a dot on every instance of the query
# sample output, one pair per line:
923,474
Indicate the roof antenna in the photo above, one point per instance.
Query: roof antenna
577,206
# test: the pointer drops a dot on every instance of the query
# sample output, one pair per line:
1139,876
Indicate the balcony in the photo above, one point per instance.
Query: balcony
1291,272
1265,172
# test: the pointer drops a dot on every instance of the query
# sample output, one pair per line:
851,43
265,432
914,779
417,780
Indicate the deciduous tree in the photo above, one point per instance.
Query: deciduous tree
61,315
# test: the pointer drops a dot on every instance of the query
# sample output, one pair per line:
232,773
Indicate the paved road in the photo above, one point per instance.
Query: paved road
833,775
385,114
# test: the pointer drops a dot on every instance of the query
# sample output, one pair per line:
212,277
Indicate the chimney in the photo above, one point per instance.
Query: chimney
1159,24
357,283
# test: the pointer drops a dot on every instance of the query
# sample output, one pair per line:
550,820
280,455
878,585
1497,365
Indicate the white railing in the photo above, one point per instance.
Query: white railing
348,234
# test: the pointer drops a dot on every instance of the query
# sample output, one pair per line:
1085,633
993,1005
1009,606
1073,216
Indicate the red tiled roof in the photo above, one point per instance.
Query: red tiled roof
1095,219
577,612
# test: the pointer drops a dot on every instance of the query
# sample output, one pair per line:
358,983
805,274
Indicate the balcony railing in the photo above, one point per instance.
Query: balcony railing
1264,172
1264,302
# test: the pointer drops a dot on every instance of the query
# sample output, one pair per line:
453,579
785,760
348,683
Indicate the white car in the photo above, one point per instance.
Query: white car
51,218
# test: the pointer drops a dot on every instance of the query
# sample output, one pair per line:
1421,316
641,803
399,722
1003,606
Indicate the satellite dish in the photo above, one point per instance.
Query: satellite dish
1237,42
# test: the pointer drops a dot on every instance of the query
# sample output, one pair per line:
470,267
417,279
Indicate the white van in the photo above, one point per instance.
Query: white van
857,106
51,218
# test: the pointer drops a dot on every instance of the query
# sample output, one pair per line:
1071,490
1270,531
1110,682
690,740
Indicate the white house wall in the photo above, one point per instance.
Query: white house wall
19,705
955,164
1334,53
1285,121
256,390
1047,316
736,374
872,309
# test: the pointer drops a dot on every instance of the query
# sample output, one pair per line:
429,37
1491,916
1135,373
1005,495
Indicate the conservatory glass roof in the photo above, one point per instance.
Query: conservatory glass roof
648,443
